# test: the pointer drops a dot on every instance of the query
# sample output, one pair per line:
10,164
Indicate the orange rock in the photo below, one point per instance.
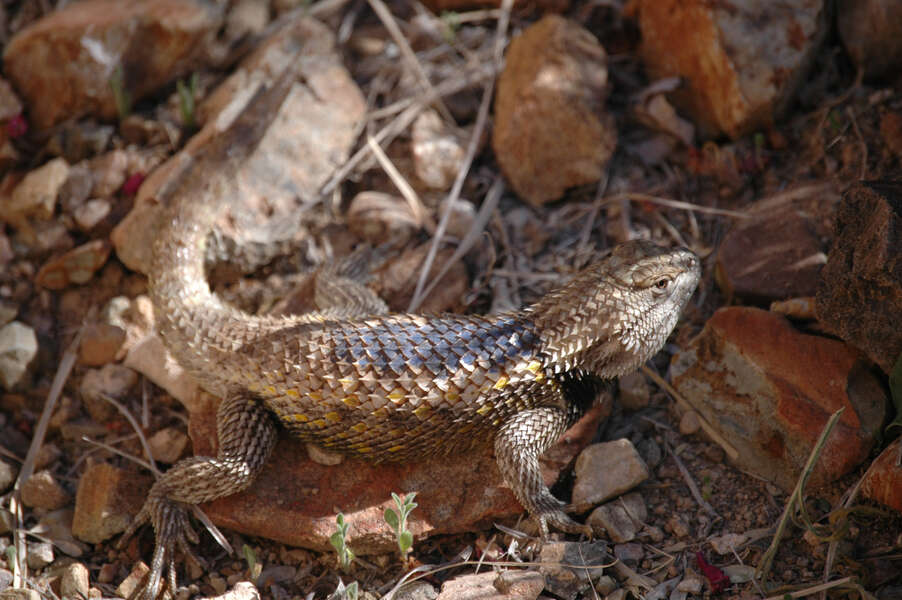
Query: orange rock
770,389
741,61
883,480
62,64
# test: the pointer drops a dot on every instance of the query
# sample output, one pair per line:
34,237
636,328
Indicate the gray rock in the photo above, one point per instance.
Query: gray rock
40,554
606,470
18,347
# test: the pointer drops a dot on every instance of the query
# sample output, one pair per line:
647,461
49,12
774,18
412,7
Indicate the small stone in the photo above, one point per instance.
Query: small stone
19,594
91,213
111,380
739,573
42,491
18,347
654,533
629,553
75,266
635,392
246,17
883,480
727,543
107,573
100,342
634,504
689,423
605,585
570,582
110,171
869,30
438,152
150,358
107,500
618,594
606,470
650,452
36,194
615,521
47,455
40,554
321,456
505,585
77,188
74,581
690,585
677,526
167,445
134,579
8,474
244,590
218,583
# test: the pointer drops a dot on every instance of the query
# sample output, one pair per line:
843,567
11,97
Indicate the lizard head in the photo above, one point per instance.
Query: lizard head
618,313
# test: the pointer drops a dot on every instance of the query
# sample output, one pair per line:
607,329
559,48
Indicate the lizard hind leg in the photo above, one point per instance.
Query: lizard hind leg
247,434
518,445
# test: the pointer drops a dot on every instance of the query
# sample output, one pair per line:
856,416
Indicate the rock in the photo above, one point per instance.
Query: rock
65,63
779,251
91,213
100,344
585,560
167,445
40,554
742,62
42,491
689,423
869,29
551,130
36,194
19,594
313,133
74,581
130,584
18,347
863,274
109,172
8,474
613,520
635,392
770,389
77,188
106,502
727,543
417,590
111,380
10,105
438,152
650,452
293,500
504,585
398,281
630,554
379,217
606,470
247,17
883,480
243,590
75,266
605,585
678,526
150,358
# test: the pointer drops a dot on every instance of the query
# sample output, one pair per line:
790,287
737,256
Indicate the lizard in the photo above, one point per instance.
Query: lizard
387,387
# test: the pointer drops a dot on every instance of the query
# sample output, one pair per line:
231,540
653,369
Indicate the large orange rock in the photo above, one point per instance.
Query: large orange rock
770,389
741,61
62,64
551,129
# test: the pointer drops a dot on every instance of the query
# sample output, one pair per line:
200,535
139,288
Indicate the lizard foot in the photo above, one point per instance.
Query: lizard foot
558,519
173,532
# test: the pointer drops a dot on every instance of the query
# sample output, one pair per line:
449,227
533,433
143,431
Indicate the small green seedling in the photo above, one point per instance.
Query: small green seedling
338,541
398,521
121,96
254,568
188,101
344,592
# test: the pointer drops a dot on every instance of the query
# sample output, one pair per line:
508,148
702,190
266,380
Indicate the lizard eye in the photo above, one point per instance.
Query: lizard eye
662,283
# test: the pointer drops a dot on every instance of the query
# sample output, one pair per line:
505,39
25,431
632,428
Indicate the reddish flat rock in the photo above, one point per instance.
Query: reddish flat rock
770,389
883,481
295,500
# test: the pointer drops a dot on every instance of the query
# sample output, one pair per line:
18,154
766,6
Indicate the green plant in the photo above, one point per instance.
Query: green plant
398,521
254,568
339,542
188,101
344,592
121,96
451,21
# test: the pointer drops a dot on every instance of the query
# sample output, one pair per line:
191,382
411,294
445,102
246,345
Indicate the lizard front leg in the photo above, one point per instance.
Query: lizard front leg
247,435
518,444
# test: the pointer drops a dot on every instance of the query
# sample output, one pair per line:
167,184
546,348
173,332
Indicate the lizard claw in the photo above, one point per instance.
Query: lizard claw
173,532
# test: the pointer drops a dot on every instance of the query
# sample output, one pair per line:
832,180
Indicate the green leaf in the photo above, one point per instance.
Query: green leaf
895,388
337,540
391,517
405,541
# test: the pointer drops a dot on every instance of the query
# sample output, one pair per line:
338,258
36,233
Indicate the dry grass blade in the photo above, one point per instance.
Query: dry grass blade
638,197
847,582
410,195
56,389
795,500
388,20
690,483
705,425
478,128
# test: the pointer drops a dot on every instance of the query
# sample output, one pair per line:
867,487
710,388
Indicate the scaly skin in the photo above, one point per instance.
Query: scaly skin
390,387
